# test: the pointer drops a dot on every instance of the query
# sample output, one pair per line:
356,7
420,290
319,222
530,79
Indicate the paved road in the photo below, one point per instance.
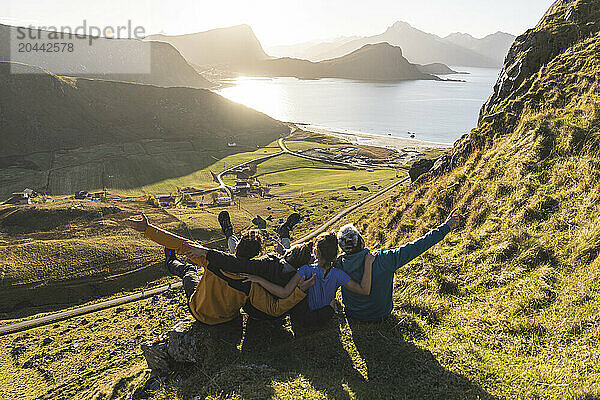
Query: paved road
318,159
24,325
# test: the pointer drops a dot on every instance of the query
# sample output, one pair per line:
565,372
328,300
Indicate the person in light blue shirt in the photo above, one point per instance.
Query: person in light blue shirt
378,304
327,279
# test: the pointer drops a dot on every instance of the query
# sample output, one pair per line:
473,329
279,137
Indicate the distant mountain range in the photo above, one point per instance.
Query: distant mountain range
167,66
237,50
494,46
233,46
418,47
373,62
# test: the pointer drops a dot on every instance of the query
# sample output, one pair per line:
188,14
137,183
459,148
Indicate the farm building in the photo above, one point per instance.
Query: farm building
20,198
224,201
167,201
242,188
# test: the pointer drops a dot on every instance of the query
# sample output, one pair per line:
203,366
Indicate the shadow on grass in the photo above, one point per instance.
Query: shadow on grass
397,368
340,360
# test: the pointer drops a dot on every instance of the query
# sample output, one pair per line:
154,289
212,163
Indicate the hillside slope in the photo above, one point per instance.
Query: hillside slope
63,134
376,62
512,299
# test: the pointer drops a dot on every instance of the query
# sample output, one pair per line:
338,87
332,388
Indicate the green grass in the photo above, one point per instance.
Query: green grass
97,356
300,145
510,300
201,179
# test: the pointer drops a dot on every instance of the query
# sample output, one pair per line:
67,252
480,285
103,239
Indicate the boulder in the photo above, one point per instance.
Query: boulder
260,222
441,165
419,168
190,342
178,345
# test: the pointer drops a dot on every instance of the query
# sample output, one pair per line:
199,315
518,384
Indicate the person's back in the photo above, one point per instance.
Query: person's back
379,304
325,286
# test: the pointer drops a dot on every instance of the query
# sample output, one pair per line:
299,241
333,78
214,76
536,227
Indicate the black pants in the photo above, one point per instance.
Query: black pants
302,316
188,274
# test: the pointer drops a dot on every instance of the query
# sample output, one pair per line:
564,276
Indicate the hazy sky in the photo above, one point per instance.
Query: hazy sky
285,21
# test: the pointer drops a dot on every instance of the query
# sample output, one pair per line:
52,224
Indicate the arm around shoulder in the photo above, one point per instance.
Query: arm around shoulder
364,287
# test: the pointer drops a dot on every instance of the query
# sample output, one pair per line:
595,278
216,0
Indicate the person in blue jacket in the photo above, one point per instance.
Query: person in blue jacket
378,304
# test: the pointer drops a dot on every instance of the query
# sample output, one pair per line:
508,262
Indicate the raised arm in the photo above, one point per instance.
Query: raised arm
394,259
364,287
276,290
181,245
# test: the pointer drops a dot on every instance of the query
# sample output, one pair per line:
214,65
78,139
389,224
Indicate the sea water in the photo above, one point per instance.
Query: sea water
431,110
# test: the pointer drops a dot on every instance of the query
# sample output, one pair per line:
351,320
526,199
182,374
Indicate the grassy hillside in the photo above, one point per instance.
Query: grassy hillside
67,251
63,134
511,300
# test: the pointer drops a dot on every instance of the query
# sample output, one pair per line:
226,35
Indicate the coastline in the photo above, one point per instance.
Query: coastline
372,139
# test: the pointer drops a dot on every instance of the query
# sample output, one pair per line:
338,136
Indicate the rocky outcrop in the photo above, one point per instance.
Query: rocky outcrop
419,168
520,85
177,346
564,24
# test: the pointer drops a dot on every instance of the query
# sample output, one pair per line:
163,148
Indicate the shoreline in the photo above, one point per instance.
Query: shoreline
372,139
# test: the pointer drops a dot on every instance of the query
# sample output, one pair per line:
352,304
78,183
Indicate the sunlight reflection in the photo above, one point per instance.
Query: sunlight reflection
257,93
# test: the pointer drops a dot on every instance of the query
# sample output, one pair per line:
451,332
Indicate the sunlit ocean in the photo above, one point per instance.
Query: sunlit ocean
432,110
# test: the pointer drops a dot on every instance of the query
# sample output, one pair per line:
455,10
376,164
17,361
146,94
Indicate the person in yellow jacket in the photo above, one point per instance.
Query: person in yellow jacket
211,297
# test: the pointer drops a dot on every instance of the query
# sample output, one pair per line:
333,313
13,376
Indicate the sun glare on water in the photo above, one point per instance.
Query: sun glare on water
254,93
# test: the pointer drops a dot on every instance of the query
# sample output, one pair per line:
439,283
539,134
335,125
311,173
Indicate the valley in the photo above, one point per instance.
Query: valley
500,301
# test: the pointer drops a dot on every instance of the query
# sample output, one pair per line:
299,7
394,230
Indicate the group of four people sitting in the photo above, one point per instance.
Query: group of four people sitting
300,281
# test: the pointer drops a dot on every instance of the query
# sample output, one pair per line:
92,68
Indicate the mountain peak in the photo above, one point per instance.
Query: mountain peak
400,25
378,48
459,35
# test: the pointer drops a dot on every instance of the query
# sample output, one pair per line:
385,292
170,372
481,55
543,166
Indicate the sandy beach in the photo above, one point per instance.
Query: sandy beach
370,139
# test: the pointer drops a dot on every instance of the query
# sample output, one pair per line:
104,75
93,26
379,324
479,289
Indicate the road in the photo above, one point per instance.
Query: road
284,150
318,159
348,210
28,324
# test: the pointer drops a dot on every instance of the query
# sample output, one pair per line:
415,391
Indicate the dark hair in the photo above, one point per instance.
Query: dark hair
328,248
250,244
299,255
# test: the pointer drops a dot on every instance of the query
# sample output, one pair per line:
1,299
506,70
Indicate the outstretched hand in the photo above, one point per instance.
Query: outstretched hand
139,225
453,220
304,285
